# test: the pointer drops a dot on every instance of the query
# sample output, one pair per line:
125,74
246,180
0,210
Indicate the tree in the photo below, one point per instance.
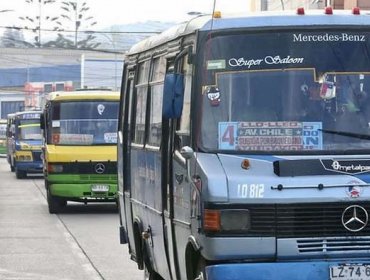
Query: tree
37,22
12,38
76,17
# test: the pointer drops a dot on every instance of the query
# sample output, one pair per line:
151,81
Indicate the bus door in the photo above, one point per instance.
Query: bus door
176,191
123,158
167,197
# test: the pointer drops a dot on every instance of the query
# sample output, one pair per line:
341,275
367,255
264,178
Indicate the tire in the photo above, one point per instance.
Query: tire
149,273
200,272
20,174
12,167
55,204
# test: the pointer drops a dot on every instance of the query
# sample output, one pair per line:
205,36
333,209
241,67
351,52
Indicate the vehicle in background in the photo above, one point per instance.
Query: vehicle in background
10,138
3,145
80,138
244,148
24,142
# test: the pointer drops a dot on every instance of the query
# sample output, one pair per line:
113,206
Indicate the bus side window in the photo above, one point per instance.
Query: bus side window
140,102
156,90
183,130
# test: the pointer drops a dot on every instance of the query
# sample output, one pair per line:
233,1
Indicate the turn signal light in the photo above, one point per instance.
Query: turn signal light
212,220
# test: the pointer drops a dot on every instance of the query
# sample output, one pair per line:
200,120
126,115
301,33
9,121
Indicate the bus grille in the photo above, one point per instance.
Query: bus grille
301,220
315,220
332,245
89,168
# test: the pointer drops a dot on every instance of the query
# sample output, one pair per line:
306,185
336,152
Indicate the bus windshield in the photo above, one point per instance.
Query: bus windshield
286,91
84,123
29,130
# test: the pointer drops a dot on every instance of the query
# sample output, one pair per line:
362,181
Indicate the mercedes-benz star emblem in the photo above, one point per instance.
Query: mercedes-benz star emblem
99,168
355,218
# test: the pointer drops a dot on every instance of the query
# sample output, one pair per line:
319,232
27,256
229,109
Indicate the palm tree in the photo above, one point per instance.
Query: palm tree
35,23
77,17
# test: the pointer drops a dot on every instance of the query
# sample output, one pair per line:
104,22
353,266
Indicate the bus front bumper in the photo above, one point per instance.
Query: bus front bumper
317,270
30,167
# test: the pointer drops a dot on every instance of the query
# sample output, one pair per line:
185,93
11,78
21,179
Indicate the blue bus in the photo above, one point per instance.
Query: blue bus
24,143
244,148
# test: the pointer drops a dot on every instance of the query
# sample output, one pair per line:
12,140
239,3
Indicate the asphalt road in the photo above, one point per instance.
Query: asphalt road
80,243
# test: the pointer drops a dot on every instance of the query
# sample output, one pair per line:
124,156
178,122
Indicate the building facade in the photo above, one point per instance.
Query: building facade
28,75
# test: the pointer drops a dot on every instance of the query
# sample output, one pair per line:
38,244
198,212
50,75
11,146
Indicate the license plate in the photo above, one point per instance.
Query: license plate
350,272
99,188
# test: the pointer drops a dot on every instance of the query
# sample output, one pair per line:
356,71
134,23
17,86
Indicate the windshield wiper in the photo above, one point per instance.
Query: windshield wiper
345,133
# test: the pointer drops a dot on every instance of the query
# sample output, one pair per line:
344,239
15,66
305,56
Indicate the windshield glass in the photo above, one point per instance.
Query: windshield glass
84,123
295,91
2,130
29,130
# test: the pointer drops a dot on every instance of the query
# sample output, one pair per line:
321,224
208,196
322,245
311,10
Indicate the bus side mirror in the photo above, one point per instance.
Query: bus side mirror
42,121
173,95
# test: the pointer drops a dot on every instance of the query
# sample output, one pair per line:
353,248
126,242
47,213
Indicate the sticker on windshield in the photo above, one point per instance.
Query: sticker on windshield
270,136
213,95
100,109
110,137
55,124
216,64
72,139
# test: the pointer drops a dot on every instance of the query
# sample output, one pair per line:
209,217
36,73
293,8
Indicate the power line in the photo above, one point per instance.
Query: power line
81,31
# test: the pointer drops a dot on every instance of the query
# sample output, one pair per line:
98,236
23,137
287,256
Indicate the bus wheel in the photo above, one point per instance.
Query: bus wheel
20,174
55,204
149,273
200,272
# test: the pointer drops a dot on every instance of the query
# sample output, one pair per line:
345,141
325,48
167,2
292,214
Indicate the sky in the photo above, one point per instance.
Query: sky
113,12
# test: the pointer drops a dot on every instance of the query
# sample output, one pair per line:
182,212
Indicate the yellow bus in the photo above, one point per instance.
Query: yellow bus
80,138
24,142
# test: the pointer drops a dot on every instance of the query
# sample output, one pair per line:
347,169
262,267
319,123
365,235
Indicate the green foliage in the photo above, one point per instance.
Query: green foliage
36,23
76,17
13,38
73,17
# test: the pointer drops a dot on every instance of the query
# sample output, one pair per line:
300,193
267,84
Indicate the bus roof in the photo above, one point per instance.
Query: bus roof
84,95
261,20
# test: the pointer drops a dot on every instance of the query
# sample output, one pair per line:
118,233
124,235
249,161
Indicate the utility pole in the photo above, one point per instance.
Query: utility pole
39,27
77,22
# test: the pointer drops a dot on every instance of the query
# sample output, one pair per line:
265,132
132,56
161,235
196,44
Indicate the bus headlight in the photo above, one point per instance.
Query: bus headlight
55,168
235,220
